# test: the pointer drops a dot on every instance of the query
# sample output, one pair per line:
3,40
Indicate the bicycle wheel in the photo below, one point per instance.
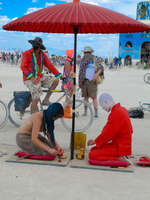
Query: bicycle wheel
3,114
17,117
145,106
147,78
82,122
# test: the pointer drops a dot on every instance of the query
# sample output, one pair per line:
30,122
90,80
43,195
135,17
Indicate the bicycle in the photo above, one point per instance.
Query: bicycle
144,106
82,123
3,114
147,78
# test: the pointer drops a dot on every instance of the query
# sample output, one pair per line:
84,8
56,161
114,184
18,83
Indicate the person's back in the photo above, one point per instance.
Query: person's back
115,139
122,125
27,126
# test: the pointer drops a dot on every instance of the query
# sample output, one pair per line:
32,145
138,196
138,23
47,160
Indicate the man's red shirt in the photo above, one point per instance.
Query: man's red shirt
27,65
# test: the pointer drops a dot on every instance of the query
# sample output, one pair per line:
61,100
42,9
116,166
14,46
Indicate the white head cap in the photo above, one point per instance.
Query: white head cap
106,101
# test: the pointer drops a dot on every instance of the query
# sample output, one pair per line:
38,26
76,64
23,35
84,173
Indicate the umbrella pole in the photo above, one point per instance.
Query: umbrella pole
74,93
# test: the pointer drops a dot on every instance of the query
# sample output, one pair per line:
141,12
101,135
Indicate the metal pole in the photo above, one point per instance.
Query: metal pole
74,93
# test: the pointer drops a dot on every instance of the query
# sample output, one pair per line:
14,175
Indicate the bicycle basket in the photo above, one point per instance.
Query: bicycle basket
22,100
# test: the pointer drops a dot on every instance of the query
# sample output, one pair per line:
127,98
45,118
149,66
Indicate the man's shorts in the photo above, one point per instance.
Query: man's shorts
89,89
24,141
36,89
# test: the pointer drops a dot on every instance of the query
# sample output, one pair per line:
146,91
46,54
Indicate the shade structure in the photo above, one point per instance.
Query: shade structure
88,18
76,17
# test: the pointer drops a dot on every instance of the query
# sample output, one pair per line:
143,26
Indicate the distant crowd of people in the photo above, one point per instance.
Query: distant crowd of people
14,58
11,57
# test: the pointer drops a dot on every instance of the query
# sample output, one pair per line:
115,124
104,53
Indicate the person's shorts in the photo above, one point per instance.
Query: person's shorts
89,89
24,141
36,89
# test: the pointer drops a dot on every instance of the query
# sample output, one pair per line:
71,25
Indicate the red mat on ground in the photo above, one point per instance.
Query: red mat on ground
143,161
35,157
111,163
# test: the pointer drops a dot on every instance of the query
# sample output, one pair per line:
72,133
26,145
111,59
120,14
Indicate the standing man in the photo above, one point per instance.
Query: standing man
88,76
32,65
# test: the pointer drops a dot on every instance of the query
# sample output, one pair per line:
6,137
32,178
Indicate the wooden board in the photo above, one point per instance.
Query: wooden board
83,164
16,159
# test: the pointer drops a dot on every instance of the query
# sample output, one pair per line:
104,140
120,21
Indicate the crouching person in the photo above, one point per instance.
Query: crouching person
115,140
29,138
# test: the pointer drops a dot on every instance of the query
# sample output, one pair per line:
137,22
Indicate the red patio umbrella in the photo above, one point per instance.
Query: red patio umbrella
76,17
87,18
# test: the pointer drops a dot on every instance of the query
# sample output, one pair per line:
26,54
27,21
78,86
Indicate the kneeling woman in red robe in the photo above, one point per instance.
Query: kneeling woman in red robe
115,140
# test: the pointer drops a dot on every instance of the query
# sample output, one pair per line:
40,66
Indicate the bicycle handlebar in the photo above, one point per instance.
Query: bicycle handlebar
53,91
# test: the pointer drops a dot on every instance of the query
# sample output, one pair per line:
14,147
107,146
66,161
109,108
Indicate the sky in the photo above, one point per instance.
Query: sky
103,44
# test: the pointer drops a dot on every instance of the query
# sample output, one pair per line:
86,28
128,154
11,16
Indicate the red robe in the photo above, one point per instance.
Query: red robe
115,139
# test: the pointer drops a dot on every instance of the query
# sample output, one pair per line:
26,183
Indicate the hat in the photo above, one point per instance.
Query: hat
37,41
106,101
88,49
69,53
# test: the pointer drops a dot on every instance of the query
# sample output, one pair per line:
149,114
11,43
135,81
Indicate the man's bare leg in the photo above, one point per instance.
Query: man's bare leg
86,99
34,105
53,86
95,105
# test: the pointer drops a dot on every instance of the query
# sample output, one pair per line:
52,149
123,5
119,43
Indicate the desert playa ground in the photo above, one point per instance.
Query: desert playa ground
36,182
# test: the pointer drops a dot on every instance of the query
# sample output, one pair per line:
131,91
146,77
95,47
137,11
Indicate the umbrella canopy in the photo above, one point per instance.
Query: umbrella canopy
76,18
87,18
